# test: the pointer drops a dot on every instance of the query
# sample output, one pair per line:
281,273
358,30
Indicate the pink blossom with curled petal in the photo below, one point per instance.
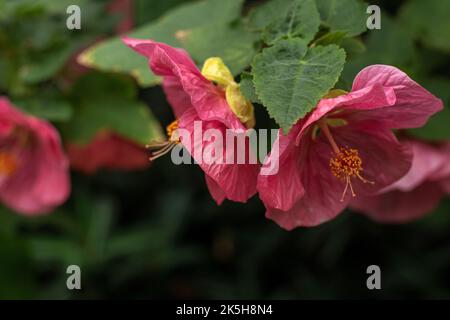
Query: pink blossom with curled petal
125,9
444,175
34,172
345,147
415,194
108,150
196,99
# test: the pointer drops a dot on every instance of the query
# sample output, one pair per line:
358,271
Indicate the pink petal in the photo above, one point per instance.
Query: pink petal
182,79
216,192
444,171
399,206
371,97
164,60
107,151
443,174
177,97
414,105
282,189
321,201
427,161
237,181
42,180
211,104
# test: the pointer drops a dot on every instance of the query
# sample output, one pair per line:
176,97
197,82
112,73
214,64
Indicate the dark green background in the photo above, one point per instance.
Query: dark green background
158,233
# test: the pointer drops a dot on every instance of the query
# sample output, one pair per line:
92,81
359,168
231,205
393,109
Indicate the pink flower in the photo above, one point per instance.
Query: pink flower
445,173
197,100
34,175
107,151
417,193
345,147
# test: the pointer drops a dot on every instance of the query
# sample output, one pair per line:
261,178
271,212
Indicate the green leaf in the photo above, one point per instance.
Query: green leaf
52,249
52,109
336,37
108,103
353,47
347,16
145,11
17,273
128,118
114,55
429,21
247,88
292,18
290,79
56,7
46,68
234,44
98,84
279,19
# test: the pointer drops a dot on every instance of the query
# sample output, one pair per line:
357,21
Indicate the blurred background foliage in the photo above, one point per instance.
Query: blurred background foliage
157,233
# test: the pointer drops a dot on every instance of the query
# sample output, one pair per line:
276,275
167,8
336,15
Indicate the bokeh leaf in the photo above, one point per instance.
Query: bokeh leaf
44,69
53,109
108,103
113,55
429,21
130,119
234,44
248,88
347,16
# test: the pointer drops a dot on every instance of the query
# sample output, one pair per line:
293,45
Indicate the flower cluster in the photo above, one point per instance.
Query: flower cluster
342,153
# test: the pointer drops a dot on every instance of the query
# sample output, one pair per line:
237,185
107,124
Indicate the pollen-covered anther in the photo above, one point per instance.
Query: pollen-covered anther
158,149
172,132
347,164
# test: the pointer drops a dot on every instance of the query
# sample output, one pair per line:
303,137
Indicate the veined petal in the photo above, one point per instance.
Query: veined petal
283,188
414,104
215,190
428,161
371,97
238,181
398,206
176,65
321,200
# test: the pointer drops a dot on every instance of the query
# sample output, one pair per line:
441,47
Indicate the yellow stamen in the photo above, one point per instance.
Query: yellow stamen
172,133
8,164
346,163
158,149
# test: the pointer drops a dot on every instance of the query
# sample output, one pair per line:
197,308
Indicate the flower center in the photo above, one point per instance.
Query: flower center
8,164
345,164
172,132
158,149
